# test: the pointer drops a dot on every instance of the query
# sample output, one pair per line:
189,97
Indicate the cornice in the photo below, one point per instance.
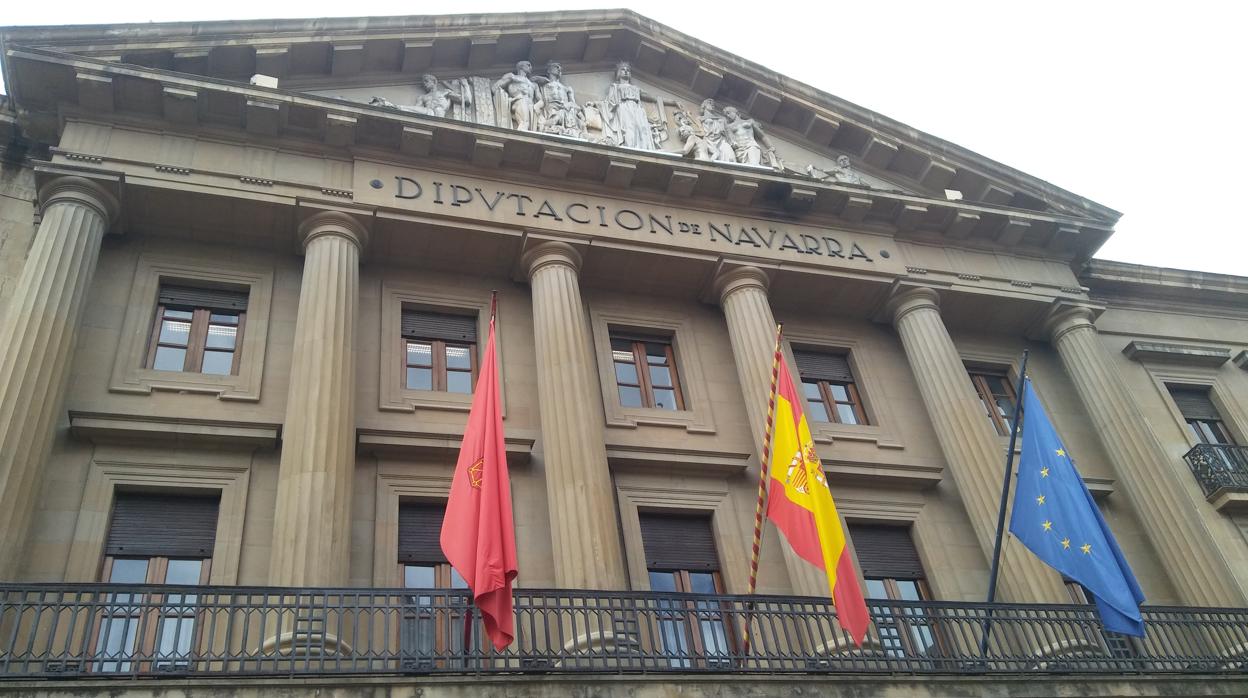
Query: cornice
586,36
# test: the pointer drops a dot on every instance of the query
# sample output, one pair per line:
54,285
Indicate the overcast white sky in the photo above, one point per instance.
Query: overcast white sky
1139,106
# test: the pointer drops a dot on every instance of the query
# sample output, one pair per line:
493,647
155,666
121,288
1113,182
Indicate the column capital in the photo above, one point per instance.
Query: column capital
548,253
739,279
1064,317
333,223
906,300
82,191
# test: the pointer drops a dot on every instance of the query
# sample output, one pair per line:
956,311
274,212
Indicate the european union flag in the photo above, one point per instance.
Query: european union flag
1055,517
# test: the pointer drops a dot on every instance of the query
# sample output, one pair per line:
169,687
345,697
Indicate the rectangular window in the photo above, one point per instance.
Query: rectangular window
1198,410
829,388
997,396
892,570
198,330
439,351
681,557
154,539
430,630
645,371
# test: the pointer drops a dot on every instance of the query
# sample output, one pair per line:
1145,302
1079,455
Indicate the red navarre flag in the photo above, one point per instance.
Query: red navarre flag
478,536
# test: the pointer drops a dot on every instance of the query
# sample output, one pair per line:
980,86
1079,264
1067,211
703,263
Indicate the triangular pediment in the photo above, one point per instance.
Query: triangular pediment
359,58
586,106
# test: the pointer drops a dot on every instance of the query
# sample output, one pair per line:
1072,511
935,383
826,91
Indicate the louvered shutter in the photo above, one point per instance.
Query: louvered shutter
210,298
819,365
886,552
420,532
167,525
1194,403
423,324
676,542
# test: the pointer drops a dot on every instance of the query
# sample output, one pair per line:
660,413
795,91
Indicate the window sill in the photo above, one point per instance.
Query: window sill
406,400
633,417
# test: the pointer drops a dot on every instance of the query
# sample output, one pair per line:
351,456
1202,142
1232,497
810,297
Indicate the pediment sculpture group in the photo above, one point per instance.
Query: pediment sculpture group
545,104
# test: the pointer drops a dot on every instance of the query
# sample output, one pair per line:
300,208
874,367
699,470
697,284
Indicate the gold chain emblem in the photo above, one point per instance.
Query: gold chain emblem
474,473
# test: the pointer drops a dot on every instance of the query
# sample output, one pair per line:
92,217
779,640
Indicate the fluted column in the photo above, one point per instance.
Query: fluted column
1161,491
974,452
37,343
752,334
578,484
311,528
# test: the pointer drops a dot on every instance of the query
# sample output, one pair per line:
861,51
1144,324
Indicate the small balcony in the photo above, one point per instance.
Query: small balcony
1222,471
58,631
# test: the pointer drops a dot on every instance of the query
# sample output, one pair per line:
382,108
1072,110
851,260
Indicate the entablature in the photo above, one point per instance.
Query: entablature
78,88
307,54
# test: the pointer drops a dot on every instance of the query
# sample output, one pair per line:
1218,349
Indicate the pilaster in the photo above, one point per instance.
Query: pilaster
742,293
38,334
583,523
311,528
974,452
1164,494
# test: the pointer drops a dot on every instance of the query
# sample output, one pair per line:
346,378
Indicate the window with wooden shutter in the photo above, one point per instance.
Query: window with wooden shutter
892,570
422,563
162,525
198,330
678,542
1200,414
886,552
829,388
440,351
681,557
154,538
420,530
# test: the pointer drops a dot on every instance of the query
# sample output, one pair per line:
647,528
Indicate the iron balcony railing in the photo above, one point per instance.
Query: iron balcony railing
62,631
1219,467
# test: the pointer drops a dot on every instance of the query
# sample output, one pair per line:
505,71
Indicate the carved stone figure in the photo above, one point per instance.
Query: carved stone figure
626,117
436,99
714,134
842,173
560,113
748,140
517,98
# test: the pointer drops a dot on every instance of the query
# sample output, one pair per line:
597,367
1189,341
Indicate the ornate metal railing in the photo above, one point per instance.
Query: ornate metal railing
1219,467
61,631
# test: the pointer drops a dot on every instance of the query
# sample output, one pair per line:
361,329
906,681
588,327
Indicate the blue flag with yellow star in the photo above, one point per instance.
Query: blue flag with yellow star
1056,518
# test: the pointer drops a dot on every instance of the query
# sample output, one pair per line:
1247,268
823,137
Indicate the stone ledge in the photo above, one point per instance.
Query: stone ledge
1186,354
687,686
107,427
629,457
411,443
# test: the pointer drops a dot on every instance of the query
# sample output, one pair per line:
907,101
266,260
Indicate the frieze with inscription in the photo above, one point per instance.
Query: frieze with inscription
483,200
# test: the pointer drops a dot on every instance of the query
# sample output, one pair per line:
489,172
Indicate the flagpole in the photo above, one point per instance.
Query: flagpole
1005,498
468,614
762,483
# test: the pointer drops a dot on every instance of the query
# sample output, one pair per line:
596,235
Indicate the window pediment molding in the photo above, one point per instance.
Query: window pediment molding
698,416
130,373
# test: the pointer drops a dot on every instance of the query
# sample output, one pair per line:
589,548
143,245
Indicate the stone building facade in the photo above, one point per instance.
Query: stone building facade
247,266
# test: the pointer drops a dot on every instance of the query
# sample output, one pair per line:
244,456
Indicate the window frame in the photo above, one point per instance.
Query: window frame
979,376
827,397
131,373
438,364
641,356
197,339
446,626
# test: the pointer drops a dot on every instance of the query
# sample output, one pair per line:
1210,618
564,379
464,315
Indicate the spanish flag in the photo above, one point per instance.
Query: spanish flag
801,506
